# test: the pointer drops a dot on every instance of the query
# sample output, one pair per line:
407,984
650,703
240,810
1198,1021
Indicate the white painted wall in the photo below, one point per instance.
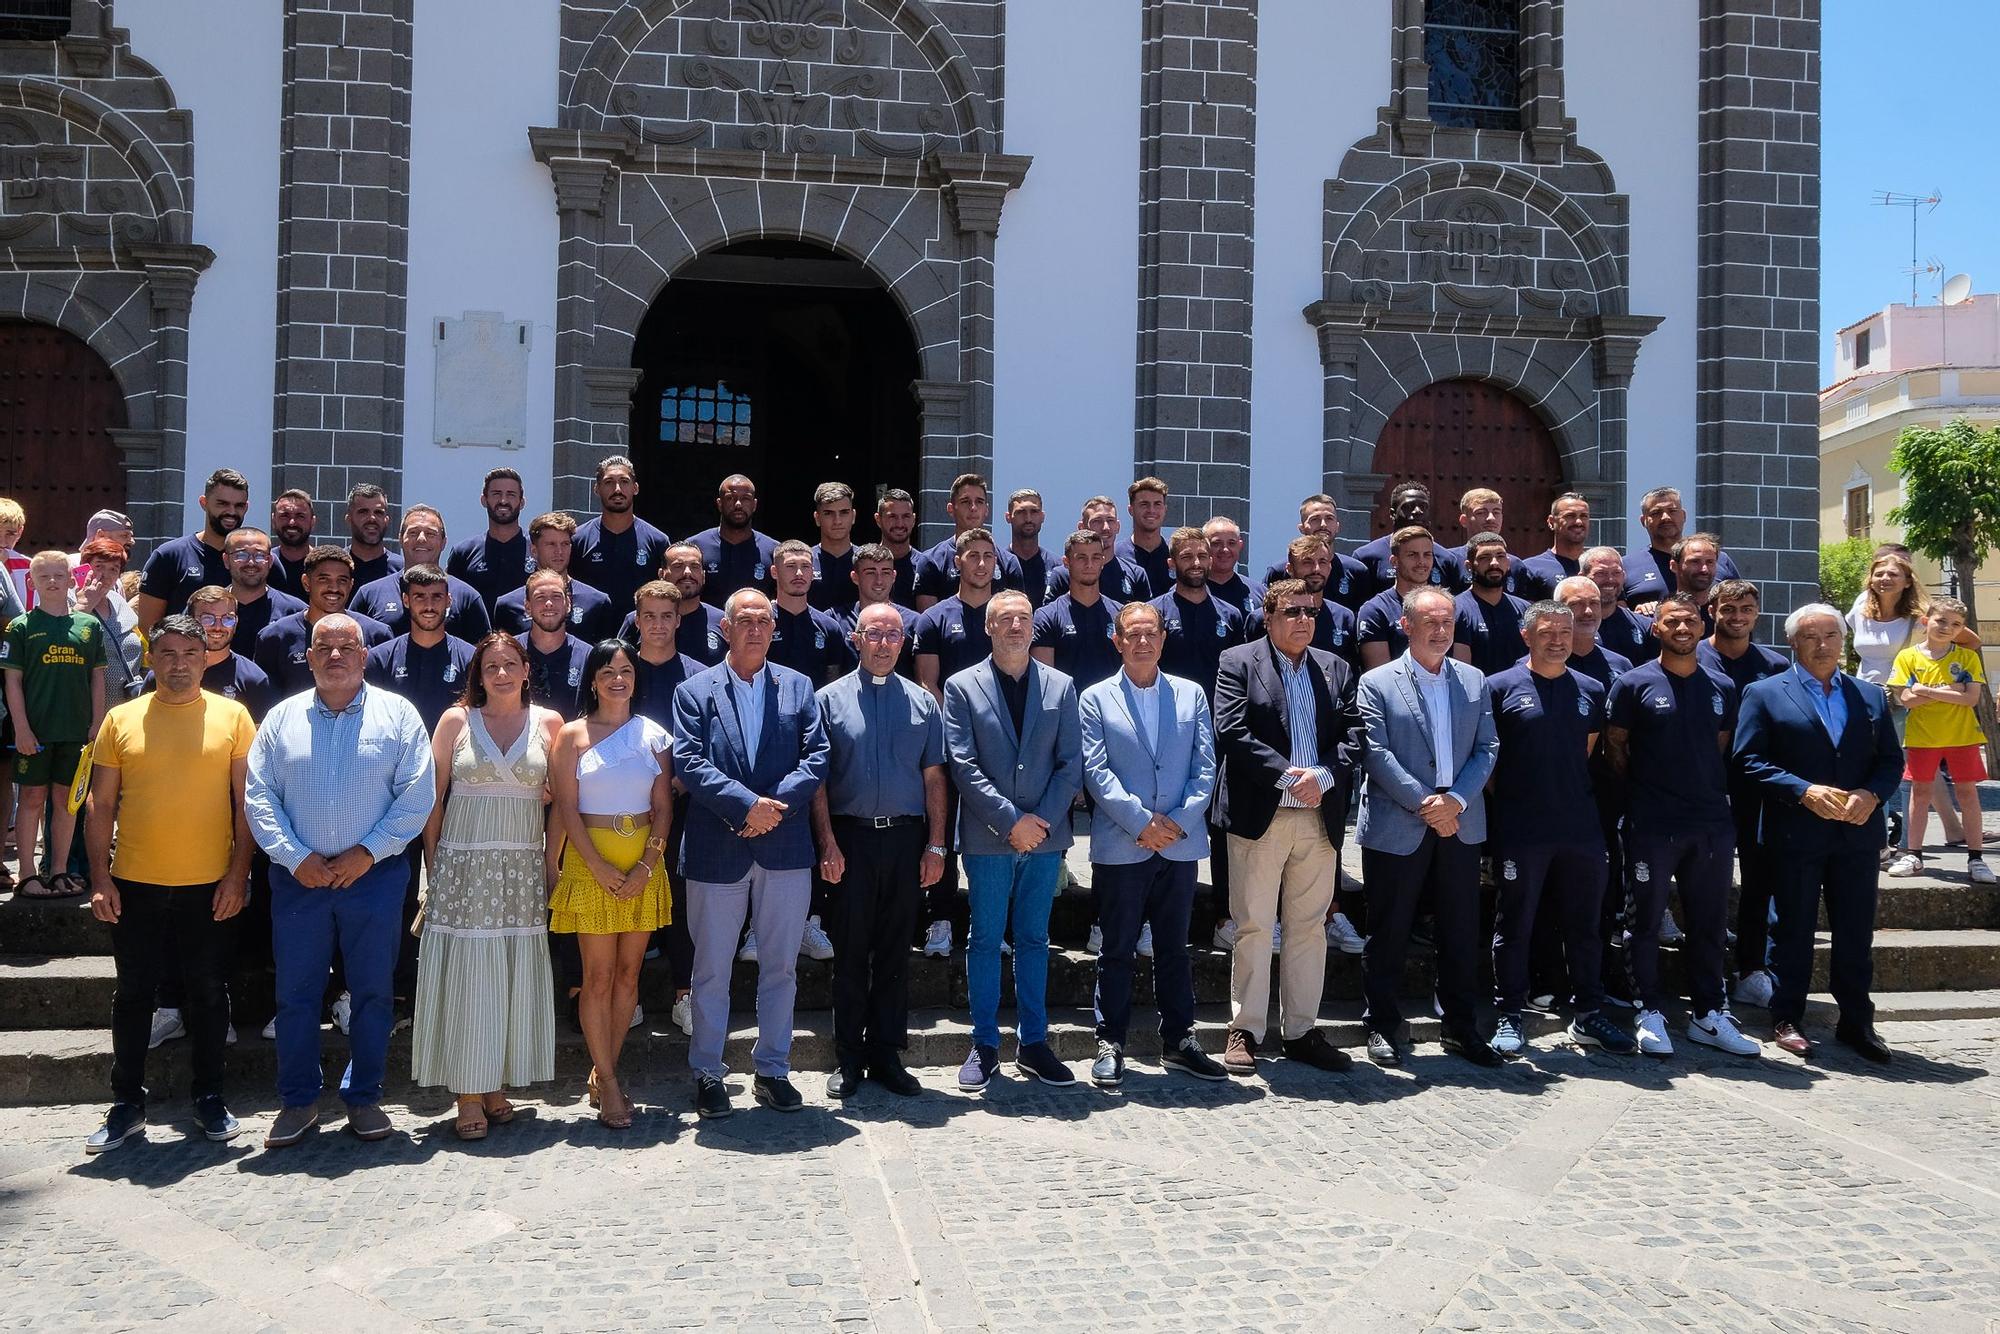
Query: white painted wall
1067,260
483,231
1322,70
226,65
1631,73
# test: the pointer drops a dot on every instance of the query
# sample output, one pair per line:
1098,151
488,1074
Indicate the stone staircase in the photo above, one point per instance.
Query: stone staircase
1937,955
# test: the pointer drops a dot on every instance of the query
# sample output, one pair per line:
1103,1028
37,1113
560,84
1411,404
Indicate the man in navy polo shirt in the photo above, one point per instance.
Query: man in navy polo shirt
1310,560
423,544
1121,579
617,551
1197,626
1381,620
1348,582
555,656
1486,617
896,521
1668,735
1694,561
1649,572
811,642
1547,849
248,552
1619,629
551,537
1073,632
292,520
1480,511
833,554
1226,579
426,665
937,569
1569,535
282,645
179,567
874,577
1146,503
367,521
496,562
700,632
1409,507
1024,525
734,554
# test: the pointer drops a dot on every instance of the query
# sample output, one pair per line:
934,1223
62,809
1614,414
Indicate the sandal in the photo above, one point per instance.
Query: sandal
619,1120
467,1128
590,1088
38,887
68,886
500,1115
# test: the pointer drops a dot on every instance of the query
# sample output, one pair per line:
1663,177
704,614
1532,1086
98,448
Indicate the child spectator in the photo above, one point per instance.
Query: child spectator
54,666
1939,682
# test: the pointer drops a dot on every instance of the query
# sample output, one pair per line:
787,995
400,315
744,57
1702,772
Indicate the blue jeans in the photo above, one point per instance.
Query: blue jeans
1025,885
366,919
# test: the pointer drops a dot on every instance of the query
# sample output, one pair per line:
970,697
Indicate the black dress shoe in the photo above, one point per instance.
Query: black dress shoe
1382,1051
1466,1043
1864,1039
844,1082
1313,1049
776,1092
887,1070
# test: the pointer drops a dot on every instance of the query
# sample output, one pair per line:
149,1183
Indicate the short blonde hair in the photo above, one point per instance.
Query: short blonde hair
12,513
50,557
1478,495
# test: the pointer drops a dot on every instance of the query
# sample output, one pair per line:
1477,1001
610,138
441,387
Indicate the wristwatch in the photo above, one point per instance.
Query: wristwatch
935,849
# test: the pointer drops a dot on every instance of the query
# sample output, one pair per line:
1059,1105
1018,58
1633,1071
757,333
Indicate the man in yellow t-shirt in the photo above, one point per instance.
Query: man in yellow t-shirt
1940,683
168,778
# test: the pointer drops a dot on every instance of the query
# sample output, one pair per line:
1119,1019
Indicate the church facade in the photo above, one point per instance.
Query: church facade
1258,248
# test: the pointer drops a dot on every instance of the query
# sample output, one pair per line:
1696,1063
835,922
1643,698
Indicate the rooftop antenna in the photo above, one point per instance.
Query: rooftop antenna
1917,204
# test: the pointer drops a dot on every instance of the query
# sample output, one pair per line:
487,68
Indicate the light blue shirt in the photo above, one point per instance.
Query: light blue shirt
748,697
1146,702
325,782
1830,705
1304,710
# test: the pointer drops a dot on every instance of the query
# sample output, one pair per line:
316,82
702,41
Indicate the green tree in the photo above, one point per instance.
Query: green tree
1843,569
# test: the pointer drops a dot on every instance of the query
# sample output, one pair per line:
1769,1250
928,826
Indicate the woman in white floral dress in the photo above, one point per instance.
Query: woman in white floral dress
485,1015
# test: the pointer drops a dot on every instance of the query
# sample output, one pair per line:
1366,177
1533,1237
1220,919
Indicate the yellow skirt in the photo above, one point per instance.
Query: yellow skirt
580,906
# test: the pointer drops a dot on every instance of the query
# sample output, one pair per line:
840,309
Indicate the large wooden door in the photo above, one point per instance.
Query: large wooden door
1458,434
59,404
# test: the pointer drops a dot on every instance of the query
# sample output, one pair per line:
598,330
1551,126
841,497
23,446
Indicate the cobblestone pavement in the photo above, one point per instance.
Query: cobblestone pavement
1562,1193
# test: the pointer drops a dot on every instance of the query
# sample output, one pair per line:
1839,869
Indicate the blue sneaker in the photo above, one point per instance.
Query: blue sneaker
1038,1061
1597,1030
123,1121
977,1072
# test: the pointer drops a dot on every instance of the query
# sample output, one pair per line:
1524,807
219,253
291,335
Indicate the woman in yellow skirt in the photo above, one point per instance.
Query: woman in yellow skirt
610,776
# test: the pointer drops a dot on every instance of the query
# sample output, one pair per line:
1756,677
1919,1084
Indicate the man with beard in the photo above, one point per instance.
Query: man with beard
1486,617
1409,507
896,521
496,562
699,634
224,671
1620,629
833,554
423,544
1225,580
811,642
292,527
1121,579
555,656
1310,560
283,646
367,521
1146,502
426,664
1694,560
617,551
734,554
1024,523
1073,633
248,552
874,575
592,615
1569,535
1197,627
1348,582
937,568
1649,574
179,567
1414,566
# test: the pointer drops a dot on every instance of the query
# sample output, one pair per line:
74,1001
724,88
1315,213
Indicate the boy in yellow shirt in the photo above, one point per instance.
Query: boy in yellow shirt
1939,683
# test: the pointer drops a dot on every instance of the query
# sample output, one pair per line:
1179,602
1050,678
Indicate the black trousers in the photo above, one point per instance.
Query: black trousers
1128,897
162,929
1697,862
874,910
249,938
1447,870
1562,885
1849,883
1755,868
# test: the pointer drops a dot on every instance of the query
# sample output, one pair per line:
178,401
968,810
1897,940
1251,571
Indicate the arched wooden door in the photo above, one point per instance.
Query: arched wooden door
59,404
1458,434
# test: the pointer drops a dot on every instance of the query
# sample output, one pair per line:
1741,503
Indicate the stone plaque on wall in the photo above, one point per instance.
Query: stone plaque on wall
481,390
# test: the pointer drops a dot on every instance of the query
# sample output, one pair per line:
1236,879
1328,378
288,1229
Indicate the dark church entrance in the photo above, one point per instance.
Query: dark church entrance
784,362
1458,434
59,404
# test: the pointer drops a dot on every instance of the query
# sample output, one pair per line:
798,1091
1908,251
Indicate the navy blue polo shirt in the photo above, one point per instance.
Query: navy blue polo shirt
1545,570
1752,665
733,565
833,580
1035,575
1600,665
906,661
1381,622
1445,567
1120,581
383,599
1649,575
1491,633
1080,638
699,638
375,567
1350,584
555,680
281,650
1541,781
432,678
288,577
591,615
955,634
237,678
937,571
904,591
177,568
252,617
1158,563
1678,778
492,567
1520,582
615,564
1197,632
1335,629
1626,632
812,643
657,683
1246,595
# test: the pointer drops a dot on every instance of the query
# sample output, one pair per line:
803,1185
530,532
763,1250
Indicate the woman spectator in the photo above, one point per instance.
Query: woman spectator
102,564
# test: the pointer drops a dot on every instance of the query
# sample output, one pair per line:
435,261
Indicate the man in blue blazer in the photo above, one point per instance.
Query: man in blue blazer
1822,747
749,746
1149,761
1011,732
1430,746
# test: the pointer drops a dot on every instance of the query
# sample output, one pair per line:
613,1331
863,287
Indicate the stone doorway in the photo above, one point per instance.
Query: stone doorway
60,406
1458,434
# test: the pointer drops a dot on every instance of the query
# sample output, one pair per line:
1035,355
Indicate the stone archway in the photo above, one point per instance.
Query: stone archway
1454,435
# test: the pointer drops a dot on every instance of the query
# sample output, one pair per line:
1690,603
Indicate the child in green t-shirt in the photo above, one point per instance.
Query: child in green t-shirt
1940,683
54,667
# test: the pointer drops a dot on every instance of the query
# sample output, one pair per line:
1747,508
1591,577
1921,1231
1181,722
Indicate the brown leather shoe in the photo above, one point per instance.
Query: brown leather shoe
1239,1054
1790,1039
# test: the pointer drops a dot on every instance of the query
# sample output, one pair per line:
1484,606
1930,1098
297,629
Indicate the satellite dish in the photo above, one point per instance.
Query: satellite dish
1956,289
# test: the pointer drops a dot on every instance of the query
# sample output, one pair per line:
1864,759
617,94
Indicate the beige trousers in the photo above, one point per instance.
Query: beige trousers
1287,876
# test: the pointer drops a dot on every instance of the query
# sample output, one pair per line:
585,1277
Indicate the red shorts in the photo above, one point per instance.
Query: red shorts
1965,764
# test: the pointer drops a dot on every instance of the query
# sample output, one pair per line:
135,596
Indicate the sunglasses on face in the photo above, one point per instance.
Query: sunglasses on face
1299,613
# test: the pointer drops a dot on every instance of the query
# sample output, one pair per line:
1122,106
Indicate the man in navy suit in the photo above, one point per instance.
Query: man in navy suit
749,745
1822,747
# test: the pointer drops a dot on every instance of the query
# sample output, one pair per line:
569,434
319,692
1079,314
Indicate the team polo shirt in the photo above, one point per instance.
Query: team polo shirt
699,638
955,634
1547,569
904,591
1381,622
432,678
1080,637
1445,568
1121,581
1626,632
733,565
1336,630
281,649
812,643
1197,632
1600,665
1678,778
492,566
833,580
252,617
1541,781
1157,563
382,598
657,683
1748,667
906,661
56,656
178,568
385,566
1519,583
937,571
237,678
1932,723
287,577
615,564
555,680
591,614
1491,633
1243,594
1649,575
1035,576
1350,584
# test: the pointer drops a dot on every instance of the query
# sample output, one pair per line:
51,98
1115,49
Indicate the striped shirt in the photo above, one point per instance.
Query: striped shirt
324,781
1304,711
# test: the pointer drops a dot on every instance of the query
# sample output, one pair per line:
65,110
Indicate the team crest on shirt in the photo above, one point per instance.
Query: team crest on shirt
714,642
819,637
1338,637
1583,706
757,571
1345,580
1642,872
1509,871
1221,628
576,616
528,565
1717,701
450,672
638,557
229,691
575,675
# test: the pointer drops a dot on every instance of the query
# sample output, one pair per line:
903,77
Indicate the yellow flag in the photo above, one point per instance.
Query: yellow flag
80,787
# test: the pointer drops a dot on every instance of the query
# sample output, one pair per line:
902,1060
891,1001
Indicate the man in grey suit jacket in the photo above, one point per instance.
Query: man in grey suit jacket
1430,747
1010,729
1149,761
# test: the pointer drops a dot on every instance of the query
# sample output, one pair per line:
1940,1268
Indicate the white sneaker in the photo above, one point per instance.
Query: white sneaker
1906,864
343,1012
1340,934
1225,934
814,944
1545,1001
1670,930
1718,1029
1277,936
937,939
1096,945
1652,1034
1006,947
270,1033
1145,946
748,954
1753,989
167,1026
684,1015
1981,873
638,1016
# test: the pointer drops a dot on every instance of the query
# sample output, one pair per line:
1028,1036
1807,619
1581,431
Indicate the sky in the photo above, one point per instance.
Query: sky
1906,107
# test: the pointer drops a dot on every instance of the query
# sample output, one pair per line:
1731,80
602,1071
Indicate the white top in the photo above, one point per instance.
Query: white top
1147,700
1437,703
615,776
1876,643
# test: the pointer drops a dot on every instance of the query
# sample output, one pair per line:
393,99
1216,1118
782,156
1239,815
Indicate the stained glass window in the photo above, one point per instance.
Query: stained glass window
1473,47
709,414
34,20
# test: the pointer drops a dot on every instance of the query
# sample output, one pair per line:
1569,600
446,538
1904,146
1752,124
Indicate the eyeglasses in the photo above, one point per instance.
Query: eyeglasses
1299,613
882,636
212,620
250,557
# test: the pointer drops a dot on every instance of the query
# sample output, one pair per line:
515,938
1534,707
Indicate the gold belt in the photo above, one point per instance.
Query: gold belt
627,825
